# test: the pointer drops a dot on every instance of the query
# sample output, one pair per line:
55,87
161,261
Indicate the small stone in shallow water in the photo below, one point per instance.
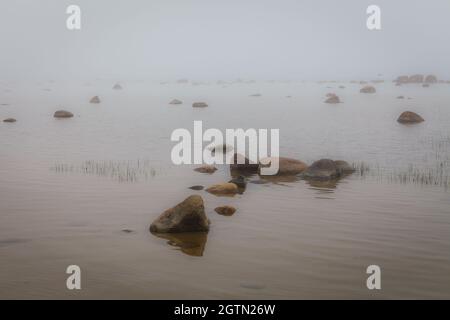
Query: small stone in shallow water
176,101
225,210
95,99
196,188
10,120
206,169
127,230
199,105
409,117
63,114
223,189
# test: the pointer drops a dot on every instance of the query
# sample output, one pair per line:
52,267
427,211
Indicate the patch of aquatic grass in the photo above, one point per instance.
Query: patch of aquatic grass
122,171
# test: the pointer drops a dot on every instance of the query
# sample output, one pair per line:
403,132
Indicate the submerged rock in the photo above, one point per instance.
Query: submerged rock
199,105
324,169
176,101
242,164
410,117
206,169
223,189
287,166
368,89
187,216
63,114
95,99
10,120
225,210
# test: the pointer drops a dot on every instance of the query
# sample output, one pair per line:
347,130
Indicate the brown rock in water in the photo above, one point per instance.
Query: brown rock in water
287,166
176,101
408,117
95,99
332,98
206,169
240,181
117,87
63,114
324,169
431,79
242,164
225,210
199,105
187,216
417,78
197,188
227,188
368,89
343,167
10,120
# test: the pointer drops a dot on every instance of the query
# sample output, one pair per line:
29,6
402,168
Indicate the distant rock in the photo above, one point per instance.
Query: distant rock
63,114
95,99
287,166
324,169
182,81
417,78
242,164
206,169
225,210
431,79
256,95
223,189
401,97
10,120
368,89
402,80
197,188
332,99
176,101
199,105
426,85
117,87
409,117
187,216
341,87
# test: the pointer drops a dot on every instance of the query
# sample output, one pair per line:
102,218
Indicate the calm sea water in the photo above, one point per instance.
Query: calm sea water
68,189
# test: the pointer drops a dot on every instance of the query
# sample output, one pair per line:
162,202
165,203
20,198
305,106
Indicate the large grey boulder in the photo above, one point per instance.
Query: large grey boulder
324,169
187,216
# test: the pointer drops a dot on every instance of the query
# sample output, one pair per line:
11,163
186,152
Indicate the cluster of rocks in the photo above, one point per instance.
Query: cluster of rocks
190,216
416,78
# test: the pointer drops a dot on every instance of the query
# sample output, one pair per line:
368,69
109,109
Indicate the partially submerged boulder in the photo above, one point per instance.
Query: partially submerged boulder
409,117
176,101
324,169
368,89
95,99
225,210
286,166
332,98
240,181
63,114
10,120
199,105
227,188
206,169
343,167
187,216
242,164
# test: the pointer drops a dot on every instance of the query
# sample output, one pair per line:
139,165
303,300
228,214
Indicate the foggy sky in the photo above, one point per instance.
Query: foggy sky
210,40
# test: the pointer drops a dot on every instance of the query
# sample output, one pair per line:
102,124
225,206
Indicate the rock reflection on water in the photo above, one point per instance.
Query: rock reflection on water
192,243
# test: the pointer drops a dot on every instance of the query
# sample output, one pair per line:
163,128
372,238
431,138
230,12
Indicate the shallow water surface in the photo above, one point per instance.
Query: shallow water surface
84,191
